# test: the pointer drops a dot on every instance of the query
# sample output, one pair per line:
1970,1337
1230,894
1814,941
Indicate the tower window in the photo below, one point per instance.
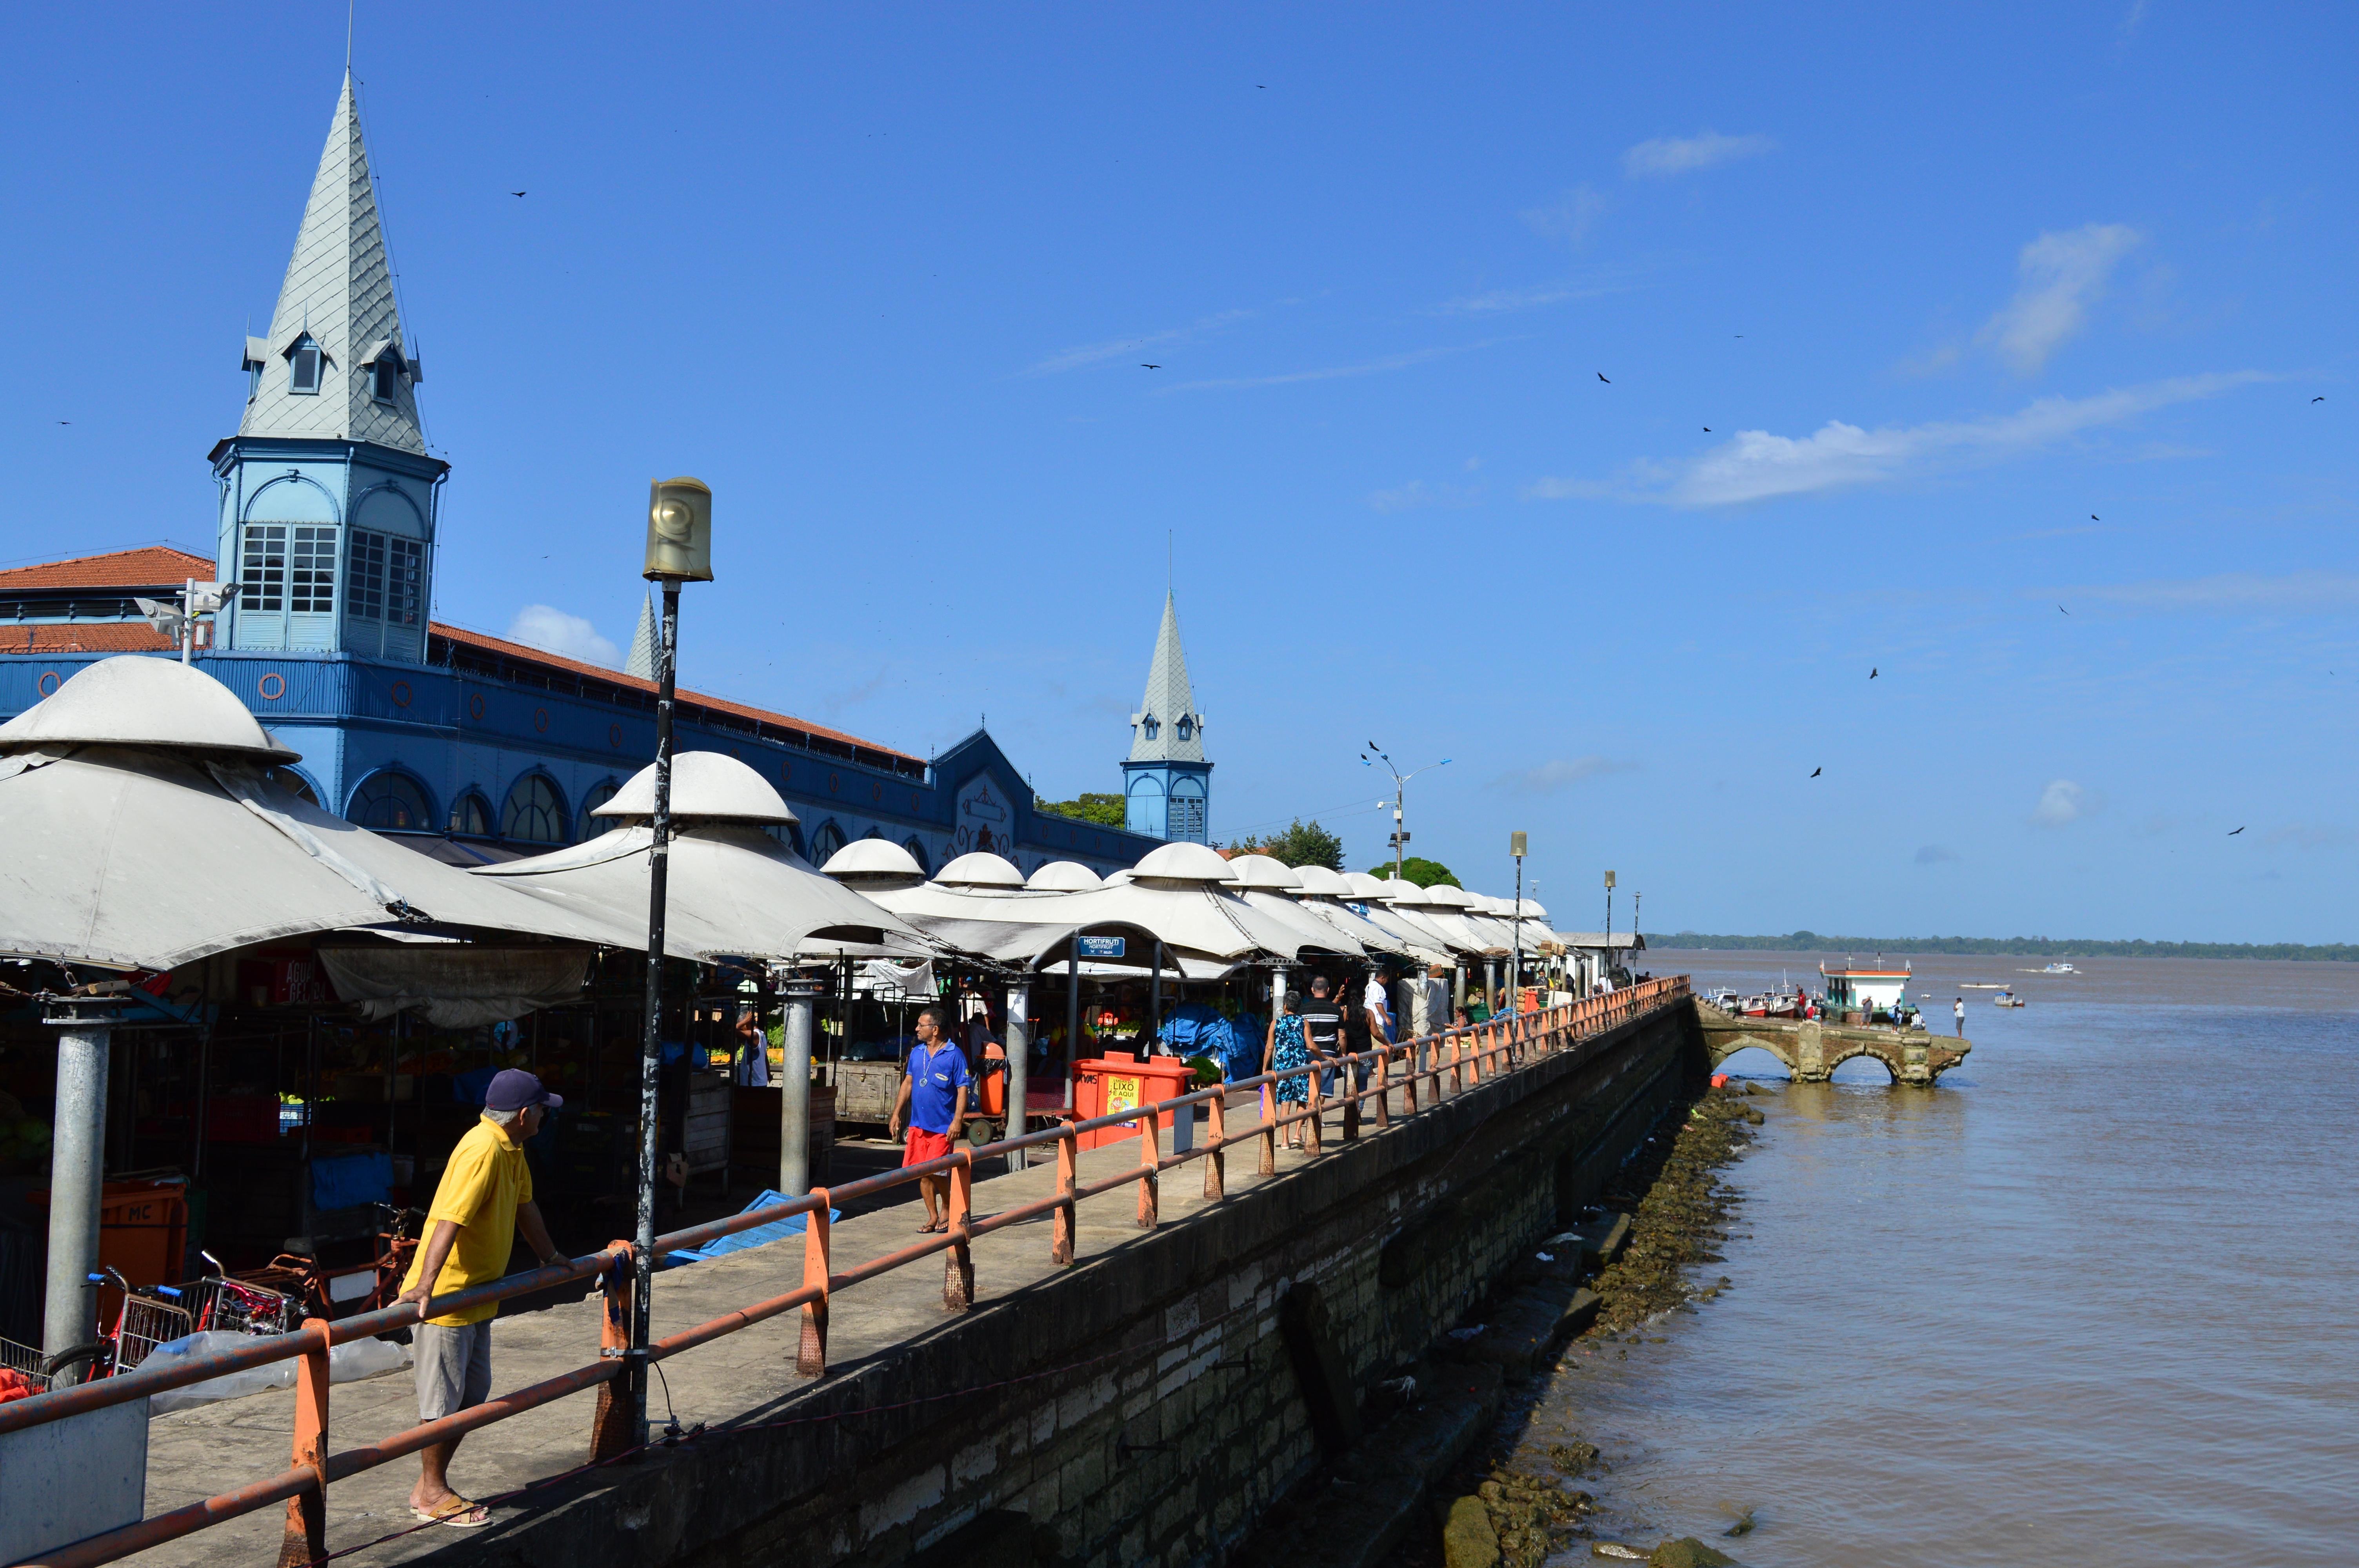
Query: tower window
263,576
385,378
304,366
1153,727
1187,728
385,577
312,571
471,817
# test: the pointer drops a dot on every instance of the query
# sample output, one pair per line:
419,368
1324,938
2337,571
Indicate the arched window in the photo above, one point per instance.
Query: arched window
471,815
294,783
392,801
1154,727
600,794
916,848
1187,727
825,842
534,812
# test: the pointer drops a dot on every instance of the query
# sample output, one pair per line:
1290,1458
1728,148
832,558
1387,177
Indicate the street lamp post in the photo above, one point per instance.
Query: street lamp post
1515,959
1400,798
679,549
1608,960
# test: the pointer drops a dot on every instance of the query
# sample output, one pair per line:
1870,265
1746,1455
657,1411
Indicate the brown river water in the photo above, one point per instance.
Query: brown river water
2093,1300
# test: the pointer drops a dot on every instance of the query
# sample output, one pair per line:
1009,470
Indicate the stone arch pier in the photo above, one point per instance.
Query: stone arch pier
1812,1050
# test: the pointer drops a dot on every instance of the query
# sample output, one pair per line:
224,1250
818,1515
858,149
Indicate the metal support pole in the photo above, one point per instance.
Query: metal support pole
1515,959
1019,1068
651,1043
1072,1012
1491,984
1457,993
1155,1002
794,1098
77,1173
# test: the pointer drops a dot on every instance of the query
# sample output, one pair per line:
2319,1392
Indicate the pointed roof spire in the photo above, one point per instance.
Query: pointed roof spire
1167,728
339,290
641,660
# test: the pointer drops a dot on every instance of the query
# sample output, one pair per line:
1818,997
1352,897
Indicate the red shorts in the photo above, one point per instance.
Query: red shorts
925,1146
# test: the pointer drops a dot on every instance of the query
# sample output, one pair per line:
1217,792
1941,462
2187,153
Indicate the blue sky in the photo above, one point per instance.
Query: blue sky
1976,350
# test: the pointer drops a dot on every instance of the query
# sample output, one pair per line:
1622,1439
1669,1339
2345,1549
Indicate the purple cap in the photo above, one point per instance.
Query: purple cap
514,1088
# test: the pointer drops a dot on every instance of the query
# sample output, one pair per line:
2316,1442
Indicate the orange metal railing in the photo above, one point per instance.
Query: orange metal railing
1464,1056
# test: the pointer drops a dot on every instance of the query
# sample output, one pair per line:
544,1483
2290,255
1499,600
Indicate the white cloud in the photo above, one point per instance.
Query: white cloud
2229,593
553,630
1560,772
1330,373
2062,275
1416,493
1568,217
1678,154
1754,465
2061,801
1113,348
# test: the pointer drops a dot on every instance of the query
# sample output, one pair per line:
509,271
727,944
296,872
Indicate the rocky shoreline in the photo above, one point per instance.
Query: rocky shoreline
1520,1499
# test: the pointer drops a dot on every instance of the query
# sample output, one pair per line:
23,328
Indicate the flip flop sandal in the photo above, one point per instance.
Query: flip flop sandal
455,1511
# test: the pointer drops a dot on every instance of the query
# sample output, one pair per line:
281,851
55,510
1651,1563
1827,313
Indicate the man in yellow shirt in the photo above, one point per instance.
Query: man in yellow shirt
483,1199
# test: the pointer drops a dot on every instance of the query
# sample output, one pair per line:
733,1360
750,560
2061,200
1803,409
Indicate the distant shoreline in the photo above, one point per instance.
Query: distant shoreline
2030,946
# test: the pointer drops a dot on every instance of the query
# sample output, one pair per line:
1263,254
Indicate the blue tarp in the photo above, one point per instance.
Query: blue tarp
346,1180
759,1236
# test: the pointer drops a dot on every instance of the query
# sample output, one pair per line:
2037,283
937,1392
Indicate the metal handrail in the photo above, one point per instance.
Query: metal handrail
1466,1054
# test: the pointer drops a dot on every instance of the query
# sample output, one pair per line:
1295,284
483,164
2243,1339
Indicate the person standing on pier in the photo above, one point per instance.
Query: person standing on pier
483,1199
1286,1051
933,1097
1961,1010
1322,1023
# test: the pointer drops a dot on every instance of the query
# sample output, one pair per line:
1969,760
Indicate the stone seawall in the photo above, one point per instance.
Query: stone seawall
1148,1405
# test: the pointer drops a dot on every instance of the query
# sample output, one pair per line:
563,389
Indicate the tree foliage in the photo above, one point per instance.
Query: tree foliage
1417,868
1302,844
2028,947
1105,810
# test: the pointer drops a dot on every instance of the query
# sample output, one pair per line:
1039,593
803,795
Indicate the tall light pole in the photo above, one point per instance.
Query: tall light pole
680,549
1400,796
1609,927
1516,958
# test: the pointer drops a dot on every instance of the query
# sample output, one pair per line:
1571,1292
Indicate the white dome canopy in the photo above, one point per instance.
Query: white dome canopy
1532,910
712,784
1064,876
1193,865
1448,896
1363,886
1320,882
980,869
872,860
1405,894
1266,872
135,700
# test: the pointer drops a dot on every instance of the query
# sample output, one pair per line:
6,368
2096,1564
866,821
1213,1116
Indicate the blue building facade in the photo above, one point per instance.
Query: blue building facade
482,748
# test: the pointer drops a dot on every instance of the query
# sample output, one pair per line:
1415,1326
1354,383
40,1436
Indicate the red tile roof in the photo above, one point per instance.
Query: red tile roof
123,570
525,654
119,569
82,637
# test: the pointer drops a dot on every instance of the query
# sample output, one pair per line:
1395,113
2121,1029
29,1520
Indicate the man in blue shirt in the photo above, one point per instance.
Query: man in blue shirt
933,1098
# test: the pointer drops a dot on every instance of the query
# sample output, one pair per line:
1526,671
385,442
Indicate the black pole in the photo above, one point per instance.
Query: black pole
651,1045
1072,1012
1155,1003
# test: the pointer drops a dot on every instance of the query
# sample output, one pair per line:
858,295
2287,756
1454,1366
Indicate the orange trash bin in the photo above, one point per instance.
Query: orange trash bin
1118,1081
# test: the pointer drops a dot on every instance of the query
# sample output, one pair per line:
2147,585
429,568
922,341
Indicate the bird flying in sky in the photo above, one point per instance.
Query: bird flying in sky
1871,673
1600,375
2320,398
515,193
2236,831
1143,365
1816,772
2062,610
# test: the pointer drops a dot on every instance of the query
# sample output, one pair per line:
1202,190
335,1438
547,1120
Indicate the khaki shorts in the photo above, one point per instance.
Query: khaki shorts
454,1367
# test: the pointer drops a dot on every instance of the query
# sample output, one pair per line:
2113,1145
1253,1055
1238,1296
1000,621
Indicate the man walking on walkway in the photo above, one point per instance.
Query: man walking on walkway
483,1199
933,1097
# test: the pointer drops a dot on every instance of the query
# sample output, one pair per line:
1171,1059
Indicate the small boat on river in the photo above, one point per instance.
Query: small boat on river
2006,999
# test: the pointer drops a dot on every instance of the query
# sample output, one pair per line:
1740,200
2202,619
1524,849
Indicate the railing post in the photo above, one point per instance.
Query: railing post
615,1424
1317,1103
1216,1130
811,1359
1457,1065
1347,1078
1415,1058
1383,1085
1269,1129
1150,1157
305,1540
1069,1178
1474,1056
958,1270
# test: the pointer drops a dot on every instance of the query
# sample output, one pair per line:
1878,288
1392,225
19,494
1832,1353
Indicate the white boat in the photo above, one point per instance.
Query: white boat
1980,986
2006,999
2051,969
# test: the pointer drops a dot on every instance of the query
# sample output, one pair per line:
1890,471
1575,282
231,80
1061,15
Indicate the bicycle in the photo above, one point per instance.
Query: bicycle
149,1315
232,1306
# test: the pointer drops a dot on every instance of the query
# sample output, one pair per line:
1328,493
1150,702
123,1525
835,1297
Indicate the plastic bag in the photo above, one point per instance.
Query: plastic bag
346,1363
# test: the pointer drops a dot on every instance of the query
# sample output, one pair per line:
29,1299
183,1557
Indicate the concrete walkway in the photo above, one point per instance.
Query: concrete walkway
732,1381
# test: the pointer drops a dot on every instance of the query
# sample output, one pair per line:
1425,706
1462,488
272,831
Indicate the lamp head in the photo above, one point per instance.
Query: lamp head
680,531
1516,840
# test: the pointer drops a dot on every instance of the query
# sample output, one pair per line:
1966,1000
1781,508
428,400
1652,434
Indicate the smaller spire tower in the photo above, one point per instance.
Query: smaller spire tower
1166,779
641,660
